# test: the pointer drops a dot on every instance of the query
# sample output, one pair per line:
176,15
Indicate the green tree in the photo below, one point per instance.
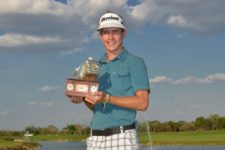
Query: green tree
71,128
51,129
34,130
155,126
188,126
221,123
143,127
202,124
214,121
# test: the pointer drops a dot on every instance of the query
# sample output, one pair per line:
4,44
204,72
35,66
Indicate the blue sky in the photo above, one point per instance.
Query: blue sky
42,41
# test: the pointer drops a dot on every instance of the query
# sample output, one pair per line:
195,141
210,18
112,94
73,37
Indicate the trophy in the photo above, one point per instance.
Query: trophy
84,80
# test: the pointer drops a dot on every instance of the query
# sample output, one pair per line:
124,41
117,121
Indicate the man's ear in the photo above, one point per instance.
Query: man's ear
99,34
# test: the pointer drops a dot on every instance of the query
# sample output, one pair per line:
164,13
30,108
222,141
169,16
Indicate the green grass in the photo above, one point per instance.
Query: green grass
4,144
186,138
163,138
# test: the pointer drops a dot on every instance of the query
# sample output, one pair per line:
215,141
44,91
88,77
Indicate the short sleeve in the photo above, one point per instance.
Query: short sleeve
138,74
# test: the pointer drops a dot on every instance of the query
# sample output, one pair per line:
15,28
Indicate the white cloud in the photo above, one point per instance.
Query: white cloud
71,24
12,40
69,52
187,14
182,22
177,21
32,7
189,80
200,16
47,88
160,79
216,77
144,11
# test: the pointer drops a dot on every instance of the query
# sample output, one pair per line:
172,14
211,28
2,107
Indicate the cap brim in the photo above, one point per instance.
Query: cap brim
111,25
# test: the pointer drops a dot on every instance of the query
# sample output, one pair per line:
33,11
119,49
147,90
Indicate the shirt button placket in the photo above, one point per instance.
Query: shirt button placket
107,69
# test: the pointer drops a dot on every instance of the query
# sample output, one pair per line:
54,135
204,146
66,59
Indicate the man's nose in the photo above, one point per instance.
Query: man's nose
110,35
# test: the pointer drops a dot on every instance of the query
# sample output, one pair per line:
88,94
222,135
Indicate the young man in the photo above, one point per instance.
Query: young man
124,89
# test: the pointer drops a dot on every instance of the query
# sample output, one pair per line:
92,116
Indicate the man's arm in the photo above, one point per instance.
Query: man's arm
139,101
89,105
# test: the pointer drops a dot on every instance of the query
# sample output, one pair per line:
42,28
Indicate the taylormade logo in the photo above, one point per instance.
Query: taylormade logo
109,18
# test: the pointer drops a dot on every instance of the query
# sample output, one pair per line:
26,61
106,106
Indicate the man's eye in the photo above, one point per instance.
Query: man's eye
105,32
116,31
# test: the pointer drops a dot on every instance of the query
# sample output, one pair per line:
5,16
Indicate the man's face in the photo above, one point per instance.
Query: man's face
112,38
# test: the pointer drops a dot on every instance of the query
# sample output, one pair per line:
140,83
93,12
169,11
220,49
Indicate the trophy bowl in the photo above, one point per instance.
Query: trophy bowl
85,79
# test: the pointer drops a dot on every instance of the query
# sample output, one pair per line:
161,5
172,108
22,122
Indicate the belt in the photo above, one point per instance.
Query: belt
111,131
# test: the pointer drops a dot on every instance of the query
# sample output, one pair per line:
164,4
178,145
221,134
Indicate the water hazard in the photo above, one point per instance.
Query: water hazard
82,146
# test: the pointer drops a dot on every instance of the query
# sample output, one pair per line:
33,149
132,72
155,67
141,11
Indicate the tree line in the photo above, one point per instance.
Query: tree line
212,122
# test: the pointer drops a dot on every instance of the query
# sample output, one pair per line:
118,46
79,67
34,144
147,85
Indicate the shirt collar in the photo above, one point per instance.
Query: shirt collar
121,56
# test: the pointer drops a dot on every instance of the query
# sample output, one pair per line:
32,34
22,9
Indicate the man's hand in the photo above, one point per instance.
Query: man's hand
96,97
76,99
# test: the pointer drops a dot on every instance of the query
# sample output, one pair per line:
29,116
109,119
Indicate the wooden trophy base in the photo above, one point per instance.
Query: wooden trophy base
76,87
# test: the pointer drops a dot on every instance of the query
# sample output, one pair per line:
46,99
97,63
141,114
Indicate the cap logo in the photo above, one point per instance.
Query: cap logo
109,18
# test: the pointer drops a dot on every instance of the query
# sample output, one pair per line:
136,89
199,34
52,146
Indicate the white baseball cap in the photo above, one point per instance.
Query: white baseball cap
111,20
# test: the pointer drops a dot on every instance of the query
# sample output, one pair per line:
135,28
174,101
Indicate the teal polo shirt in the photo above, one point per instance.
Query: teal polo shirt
122,76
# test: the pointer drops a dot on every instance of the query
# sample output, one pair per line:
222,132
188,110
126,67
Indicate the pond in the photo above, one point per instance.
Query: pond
82,146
